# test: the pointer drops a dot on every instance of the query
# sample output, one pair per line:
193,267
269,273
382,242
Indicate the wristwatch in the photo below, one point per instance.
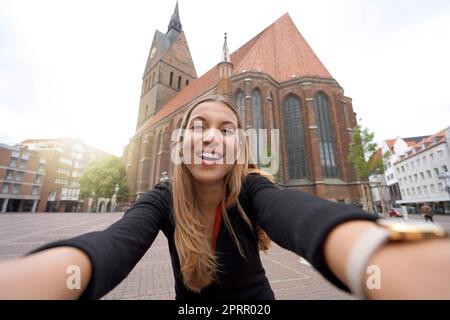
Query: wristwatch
385,231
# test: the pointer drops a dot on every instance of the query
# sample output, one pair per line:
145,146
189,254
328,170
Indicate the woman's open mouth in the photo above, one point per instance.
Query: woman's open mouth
209,159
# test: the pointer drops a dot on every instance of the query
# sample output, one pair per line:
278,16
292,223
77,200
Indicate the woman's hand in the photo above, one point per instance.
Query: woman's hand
59,273
410,270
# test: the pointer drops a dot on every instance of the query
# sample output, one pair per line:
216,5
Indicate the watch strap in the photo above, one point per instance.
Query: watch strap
359,257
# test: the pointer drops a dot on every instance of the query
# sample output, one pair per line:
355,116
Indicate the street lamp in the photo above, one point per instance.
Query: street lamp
93,201
114,198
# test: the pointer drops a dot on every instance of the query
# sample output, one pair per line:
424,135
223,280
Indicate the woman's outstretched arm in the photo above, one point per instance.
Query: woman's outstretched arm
324,233
58,273
105,257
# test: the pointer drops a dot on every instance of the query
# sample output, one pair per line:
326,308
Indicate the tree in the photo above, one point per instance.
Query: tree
101,176
363,155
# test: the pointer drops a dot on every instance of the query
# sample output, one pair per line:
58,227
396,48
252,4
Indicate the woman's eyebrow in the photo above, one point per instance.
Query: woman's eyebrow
203,119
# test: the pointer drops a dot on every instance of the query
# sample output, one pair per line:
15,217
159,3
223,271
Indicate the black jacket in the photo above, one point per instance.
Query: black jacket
295,220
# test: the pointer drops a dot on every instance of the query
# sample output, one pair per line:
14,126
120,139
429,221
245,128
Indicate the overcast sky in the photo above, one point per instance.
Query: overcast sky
74,68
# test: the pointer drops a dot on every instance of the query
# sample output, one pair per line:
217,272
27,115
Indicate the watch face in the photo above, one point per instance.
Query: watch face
412,230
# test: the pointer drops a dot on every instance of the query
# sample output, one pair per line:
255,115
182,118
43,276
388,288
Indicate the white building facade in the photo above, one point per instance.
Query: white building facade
385,188
419,173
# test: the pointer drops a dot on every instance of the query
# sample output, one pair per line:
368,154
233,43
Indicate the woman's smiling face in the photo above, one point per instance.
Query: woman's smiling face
211,137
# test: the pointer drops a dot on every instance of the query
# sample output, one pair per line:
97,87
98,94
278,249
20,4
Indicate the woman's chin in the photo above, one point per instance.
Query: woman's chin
208,174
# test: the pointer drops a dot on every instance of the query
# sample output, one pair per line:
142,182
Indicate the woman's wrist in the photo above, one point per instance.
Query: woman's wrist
411,270
404,270
340,243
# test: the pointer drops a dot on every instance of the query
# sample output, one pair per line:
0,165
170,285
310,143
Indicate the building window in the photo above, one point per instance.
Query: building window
431,157
35,191
440,154
23,164
415,178
440,187
65,161
326,140
179,82
187,83
38,178
146,111
257,120
403,169
419,190
257,110
171,79
5,187
424,159
432,189
61,181
295,138
9,174
429,173
436,170
425,190
240,103
444,168
16,189
41,168
19,175
12,162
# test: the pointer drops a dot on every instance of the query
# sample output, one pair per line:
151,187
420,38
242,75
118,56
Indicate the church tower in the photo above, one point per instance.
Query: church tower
169,69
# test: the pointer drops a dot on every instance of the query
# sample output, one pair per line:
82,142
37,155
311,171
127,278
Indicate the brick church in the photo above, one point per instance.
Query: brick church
277,81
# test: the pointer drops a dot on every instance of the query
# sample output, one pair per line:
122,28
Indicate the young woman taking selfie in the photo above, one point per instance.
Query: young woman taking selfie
218,215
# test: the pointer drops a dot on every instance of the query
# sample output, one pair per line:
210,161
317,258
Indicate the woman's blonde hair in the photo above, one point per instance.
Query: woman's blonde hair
198,263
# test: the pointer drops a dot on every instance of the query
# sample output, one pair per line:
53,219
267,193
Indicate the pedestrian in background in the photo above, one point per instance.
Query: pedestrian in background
426,212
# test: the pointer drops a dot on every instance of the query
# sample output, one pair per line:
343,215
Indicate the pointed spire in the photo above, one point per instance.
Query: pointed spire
224,71
225,52
175,22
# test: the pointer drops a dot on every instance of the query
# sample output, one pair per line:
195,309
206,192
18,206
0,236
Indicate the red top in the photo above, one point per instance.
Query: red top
217,221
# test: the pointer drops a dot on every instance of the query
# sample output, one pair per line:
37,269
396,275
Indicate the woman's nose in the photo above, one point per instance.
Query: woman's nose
211,135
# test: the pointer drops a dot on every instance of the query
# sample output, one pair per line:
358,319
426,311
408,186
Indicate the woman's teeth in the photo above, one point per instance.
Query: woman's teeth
210,157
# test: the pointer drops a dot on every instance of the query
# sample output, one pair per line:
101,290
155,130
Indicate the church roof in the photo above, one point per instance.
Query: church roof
279,51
